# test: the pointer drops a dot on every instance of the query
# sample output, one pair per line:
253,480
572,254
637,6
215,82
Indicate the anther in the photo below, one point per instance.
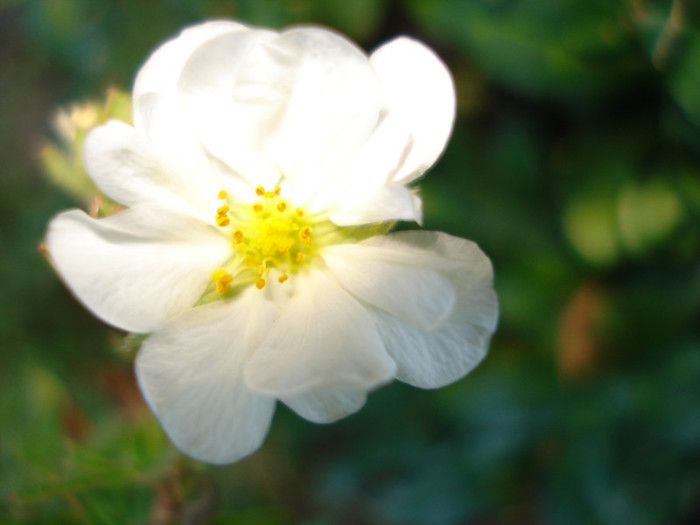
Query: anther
257,207
281,206
260,191
222,210
282,278
300,212
222,194
300,257
224,285
260,283
238,236
222,220
218,274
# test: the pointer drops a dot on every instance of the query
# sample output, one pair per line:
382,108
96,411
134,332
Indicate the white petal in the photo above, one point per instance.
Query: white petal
232,89
390,202
163,67
333,107
417,89
194,175
121,162
323,338
136,268
306,99
191,374
433,358
389,280
327,405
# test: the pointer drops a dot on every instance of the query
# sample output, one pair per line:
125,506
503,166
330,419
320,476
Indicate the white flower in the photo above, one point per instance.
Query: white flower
260,178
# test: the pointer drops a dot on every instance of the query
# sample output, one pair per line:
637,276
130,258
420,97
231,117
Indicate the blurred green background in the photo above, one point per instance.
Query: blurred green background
575,164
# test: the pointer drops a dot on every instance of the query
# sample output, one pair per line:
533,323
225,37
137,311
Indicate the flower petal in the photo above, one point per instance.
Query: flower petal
191,374
122,164
433,358
163,67
232,90
327,405
195,175
388,279
417,90
136,268
306,99
332,109
390,202
323,338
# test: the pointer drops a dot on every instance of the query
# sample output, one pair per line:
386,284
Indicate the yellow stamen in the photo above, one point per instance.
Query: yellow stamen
282,278
218,274
257,207
238,236
281,206
300,212
223,210
223,286
300,257
260,191
222,194
223,280
222,220
260,283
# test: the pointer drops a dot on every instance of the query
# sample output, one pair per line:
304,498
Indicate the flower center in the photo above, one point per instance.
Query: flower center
268,233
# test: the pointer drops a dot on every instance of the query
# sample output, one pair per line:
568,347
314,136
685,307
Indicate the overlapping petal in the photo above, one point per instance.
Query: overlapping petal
303,101
437,349
323,338
137,268
390,280
162,69
327,405
191,374
418,92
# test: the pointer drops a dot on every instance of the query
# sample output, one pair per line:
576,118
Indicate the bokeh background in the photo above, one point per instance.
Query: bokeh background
575,164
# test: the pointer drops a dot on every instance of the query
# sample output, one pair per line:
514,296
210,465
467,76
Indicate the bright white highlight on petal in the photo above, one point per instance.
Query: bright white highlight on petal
418,91
261,175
